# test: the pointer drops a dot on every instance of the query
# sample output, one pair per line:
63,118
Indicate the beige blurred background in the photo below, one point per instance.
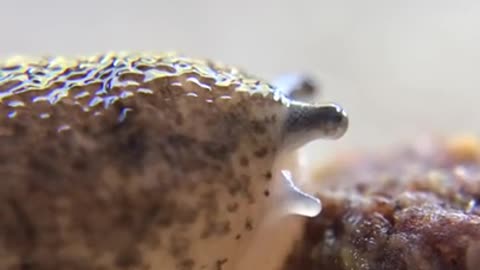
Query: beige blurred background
401,68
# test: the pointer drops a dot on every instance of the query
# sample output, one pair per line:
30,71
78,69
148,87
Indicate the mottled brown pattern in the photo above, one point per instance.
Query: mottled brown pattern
132,162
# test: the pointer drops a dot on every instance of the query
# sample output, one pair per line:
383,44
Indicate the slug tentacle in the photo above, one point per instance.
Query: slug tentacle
307,122
297,86
299,202
289,199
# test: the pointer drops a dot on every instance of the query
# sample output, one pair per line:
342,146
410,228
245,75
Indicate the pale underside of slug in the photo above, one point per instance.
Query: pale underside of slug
127,161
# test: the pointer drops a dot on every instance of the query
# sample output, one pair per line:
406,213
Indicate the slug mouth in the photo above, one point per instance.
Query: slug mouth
308,122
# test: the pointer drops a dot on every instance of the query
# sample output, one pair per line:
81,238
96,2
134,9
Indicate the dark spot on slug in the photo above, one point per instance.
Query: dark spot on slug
259,127
80,164
134,145
225,228
248,224
261,153
232,207
234,187
179,246
27,266
128,258
216,151
186,215
27,227
244,161
179,119
266,193
220,263
187,264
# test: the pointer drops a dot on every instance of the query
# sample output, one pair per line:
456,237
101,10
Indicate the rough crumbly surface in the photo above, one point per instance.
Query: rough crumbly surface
414,207
125,161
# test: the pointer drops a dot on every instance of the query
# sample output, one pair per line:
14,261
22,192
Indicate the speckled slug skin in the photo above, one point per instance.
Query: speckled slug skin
133,161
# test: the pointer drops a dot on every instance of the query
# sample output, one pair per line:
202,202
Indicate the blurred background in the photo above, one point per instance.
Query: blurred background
400,68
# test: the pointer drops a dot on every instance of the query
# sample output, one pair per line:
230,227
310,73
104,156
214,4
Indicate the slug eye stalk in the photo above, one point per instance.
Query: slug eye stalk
307,122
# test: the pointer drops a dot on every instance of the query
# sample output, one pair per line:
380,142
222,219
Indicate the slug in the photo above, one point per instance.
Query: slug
144,161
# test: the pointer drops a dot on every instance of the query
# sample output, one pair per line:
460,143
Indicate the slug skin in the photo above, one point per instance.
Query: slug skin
135,161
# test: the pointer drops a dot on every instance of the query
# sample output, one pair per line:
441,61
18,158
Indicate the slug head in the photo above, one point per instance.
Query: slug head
301,123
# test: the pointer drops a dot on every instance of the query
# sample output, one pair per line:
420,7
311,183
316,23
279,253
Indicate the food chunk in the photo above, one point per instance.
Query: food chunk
413,207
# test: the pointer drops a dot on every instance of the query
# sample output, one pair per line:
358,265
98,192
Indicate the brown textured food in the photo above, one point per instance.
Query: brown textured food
139,161
415,207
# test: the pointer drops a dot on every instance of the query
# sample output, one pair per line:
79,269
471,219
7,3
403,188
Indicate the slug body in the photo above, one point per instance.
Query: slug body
127,161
